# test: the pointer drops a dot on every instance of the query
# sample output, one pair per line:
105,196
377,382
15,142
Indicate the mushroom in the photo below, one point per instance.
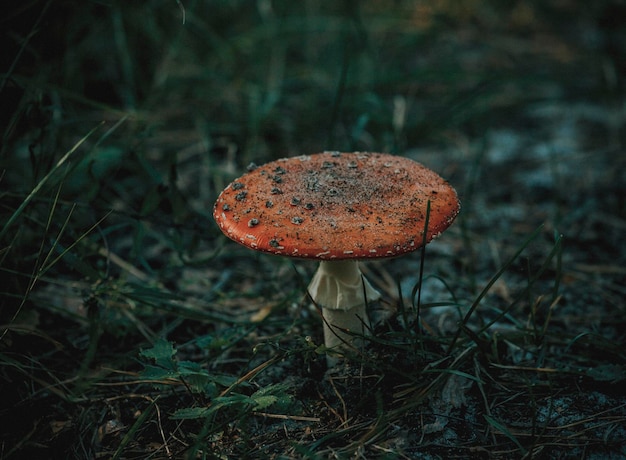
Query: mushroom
338,208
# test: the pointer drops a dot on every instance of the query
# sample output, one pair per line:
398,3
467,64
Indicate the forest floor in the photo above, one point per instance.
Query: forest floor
132,328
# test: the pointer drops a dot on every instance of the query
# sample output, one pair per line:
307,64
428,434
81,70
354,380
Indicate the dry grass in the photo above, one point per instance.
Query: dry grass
132,329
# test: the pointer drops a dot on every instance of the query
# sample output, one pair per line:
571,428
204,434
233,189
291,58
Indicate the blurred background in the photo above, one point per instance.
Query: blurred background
121,122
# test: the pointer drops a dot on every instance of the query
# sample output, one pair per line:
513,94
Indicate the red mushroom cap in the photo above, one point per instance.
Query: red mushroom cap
335,205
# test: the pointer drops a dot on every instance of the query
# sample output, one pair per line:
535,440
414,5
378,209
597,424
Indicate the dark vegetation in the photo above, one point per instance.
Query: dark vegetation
130,326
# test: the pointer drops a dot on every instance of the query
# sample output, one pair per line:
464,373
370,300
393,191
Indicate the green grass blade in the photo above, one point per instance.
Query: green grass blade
505,431
43,182
128,437
491,282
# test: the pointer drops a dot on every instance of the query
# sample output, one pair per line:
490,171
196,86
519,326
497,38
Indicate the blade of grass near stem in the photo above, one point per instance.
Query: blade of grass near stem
418,302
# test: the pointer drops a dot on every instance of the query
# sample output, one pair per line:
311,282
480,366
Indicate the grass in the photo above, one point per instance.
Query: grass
131,328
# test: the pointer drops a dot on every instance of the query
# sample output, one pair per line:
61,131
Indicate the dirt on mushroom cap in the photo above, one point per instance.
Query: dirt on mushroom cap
336,205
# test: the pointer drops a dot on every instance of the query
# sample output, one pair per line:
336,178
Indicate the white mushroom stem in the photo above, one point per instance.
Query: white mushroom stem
341,290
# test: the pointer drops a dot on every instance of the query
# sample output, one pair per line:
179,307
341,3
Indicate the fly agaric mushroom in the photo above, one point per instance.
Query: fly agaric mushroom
338,208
